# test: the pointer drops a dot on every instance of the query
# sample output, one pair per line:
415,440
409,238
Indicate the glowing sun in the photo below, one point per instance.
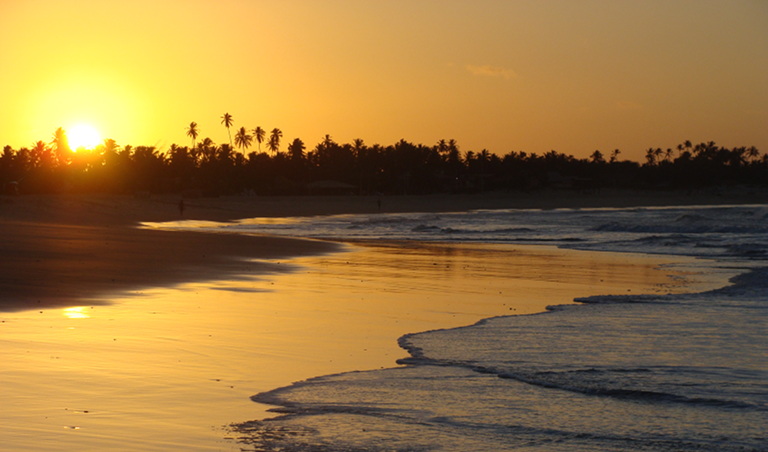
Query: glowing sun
83,136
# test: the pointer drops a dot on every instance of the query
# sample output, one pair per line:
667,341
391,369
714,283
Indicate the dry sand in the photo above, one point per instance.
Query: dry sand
151,340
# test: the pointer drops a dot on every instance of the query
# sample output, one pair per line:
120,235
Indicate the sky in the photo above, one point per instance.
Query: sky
500,75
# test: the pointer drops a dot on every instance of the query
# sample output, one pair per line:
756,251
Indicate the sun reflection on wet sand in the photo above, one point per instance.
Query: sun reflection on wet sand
77,312
168,368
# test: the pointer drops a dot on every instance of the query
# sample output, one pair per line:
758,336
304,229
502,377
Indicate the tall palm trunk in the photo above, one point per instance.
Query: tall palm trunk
226,119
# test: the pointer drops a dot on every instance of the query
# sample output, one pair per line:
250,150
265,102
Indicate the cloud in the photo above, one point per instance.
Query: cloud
491,71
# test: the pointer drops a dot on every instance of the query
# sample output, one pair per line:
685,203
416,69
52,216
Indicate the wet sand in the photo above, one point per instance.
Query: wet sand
167,357
59,250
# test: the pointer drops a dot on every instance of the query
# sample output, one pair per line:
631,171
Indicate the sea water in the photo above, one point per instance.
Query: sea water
617,372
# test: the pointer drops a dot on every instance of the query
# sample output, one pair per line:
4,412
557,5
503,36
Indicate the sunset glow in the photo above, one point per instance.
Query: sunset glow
83,136
496,75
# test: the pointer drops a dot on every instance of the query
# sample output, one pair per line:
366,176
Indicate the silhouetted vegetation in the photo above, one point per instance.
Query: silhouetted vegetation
207,168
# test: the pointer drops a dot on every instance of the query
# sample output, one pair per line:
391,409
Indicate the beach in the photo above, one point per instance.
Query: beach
114,334
86,245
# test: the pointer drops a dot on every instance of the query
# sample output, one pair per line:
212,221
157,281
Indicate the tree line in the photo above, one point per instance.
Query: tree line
208,169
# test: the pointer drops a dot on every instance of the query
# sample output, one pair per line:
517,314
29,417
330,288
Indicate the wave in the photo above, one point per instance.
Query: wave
598,385
715,232
591,382
687,228
716,328
391,219
599,362
623,299
389,410
458,230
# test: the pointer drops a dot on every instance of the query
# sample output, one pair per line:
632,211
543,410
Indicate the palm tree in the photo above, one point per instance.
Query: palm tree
753,153
206,150
224,154
358,144
226,119
61,145
687,145
243,139
452,153
698,149
657,153
259,133
193,132
296,149
41,154
110,148
650,156
110,145
274,140
442,147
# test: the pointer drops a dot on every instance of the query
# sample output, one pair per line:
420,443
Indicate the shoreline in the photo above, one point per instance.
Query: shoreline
170,367
61,250
112,210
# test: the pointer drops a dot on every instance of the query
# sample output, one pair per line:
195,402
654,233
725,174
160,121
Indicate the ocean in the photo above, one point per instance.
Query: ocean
650,372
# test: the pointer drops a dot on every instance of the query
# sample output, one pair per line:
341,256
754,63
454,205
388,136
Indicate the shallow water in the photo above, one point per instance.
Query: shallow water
599,377
626,371
708,231
170,368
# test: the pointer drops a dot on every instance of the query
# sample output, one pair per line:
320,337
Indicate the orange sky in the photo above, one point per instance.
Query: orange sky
503,75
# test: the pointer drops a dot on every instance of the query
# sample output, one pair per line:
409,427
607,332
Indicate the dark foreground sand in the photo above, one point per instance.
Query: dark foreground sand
57,250
47,264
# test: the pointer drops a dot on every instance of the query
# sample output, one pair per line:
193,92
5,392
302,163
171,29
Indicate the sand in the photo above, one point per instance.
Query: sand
57,250
119,338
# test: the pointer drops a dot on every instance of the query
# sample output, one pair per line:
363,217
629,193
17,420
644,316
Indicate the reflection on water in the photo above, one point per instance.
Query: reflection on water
77,312
166,369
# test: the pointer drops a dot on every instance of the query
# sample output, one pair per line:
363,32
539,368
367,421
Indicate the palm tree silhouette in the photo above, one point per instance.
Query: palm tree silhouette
61,144
226,119
296,149
111,146
753,153
259,133
274,140
650,156
243,139
193,132
687,144
41,154
358,147
657,153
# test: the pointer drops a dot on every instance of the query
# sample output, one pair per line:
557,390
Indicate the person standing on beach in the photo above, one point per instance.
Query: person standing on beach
181,207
